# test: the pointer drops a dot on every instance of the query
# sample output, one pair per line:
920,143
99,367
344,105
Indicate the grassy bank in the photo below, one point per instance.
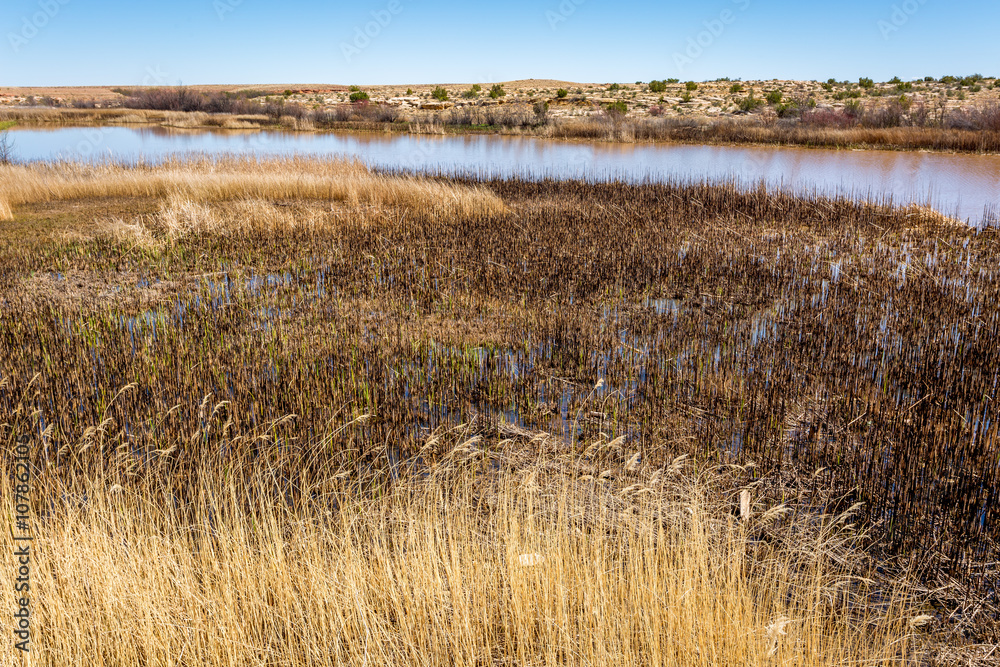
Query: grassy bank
286,411
971,133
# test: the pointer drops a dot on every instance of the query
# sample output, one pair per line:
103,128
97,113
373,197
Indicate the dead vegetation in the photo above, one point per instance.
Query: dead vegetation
192,182
270,425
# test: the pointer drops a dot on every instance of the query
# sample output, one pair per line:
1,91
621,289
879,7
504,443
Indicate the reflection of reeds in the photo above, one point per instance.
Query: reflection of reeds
231,179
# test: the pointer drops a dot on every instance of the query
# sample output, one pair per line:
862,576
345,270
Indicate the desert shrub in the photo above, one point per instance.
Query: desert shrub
750,103
789,109
736,88
673,80
853,108
984,118
774,97
847,94
686,98
616,109
6,143
613,87
338,114
359,96
359,111
381,113
828,118
440,94
497,91
561,93
493,116
827,87
865,82
281,109
182,99
657,86
691,86
541,110
889,115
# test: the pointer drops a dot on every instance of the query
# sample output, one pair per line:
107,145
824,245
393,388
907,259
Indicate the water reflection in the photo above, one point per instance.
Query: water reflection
957,184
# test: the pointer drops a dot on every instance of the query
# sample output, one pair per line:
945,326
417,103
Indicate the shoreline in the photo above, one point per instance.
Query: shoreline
725,132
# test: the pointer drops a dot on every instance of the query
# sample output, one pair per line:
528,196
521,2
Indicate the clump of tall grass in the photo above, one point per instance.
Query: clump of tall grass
482,557
239,178
180,218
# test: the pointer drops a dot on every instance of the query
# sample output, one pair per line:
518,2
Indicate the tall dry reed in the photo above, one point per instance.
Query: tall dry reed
238,178
480,558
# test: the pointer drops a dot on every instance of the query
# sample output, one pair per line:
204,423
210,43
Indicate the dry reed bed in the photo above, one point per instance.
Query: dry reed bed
751,130
487,556
237,178
847,350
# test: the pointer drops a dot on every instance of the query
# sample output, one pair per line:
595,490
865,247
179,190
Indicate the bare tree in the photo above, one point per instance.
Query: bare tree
6,146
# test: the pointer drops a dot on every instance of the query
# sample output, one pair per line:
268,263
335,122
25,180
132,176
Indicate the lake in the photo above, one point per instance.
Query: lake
964,185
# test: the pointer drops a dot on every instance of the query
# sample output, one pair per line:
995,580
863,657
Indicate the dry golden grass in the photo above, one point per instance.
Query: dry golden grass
238,179
527,563
180,218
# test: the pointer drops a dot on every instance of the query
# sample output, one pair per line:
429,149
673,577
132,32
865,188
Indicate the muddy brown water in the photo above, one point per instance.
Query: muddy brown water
964,185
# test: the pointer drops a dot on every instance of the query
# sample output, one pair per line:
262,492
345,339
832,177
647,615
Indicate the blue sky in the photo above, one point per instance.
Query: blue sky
100,42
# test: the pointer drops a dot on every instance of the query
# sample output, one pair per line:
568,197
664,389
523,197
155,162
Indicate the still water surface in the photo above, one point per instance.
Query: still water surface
967,186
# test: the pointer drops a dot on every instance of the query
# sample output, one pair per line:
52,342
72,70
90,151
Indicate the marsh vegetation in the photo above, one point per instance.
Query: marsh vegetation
301,412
